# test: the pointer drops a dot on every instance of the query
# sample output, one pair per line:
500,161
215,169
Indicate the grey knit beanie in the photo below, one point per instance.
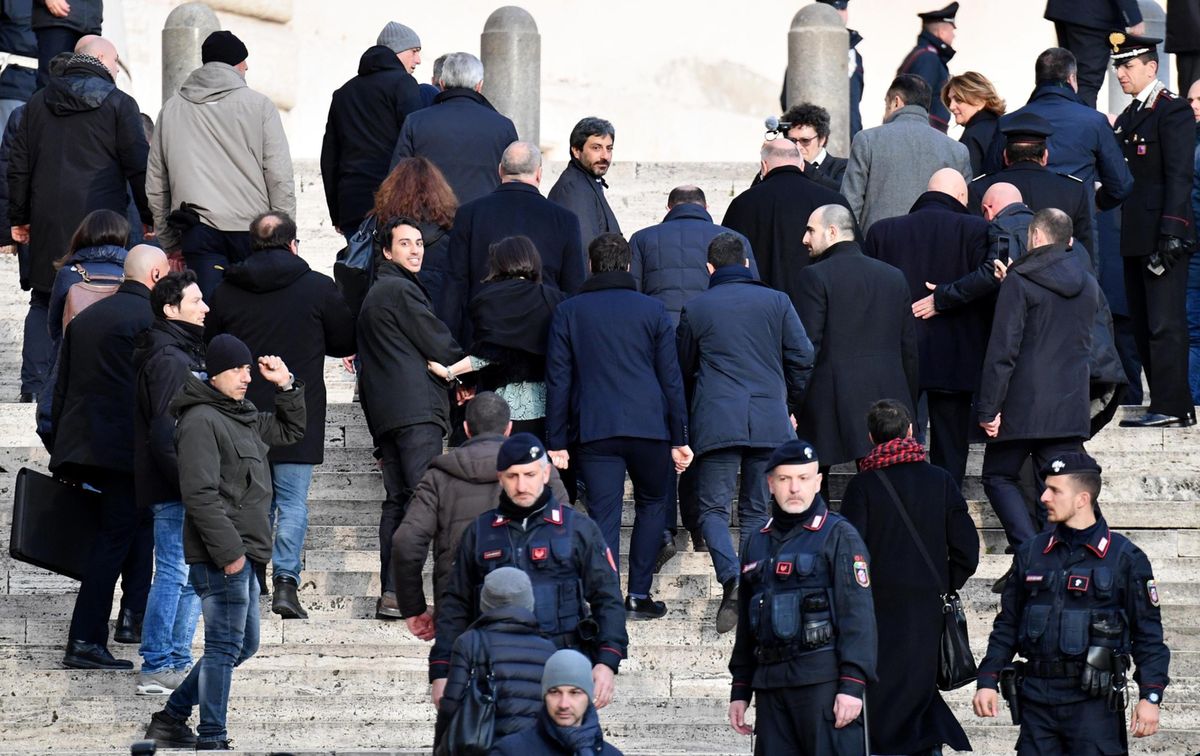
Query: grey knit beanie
567,667
506,586
398,37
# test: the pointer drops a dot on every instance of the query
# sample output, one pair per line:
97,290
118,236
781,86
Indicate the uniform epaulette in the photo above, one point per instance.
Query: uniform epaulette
1163,93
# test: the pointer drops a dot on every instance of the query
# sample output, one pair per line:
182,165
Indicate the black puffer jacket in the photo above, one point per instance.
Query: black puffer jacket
508,636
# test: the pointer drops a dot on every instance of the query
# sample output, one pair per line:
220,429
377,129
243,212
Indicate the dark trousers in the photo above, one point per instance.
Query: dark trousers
51,41
210,252
123,547
1091,50
1068,729
1002,462
602,468
1187,69
405,454
683,506
799,722
949,423
1130,362
36,352
1158,309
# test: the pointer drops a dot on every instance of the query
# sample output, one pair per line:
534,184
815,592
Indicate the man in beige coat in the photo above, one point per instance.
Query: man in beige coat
218,159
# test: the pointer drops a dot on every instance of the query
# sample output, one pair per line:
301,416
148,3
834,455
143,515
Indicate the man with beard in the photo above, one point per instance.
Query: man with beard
581,186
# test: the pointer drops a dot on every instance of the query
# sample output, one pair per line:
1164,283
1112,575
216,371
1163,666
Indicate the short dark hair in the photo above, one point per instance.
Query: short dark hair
888,420
684,194
169,291
808,114
1150,56
487,414
384,234
1019,152
726,248
1055,65
590,127
1054,224
1089,483
514,257
608,253
271,230
911,89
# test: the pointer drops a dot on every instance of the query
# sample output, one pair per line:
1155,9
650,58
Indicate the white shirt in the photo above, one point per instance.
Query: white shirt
1147,95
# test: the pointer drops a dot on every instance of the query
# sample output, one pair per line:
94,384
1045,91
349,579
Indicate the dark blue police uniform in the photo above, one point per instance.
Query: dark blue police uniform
928,60
806,631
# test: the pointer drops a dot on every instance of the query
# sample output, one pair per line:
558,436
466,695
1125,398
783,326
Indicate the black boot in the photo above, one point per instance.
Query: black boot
129,627
285,602
81,655
727,613
168,732
213,745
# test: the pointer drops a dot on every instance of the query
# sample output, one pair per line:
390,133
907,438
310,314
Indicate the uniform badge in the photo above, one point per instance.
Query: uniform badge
538,553
748,567
861,575
494,554
1078,583
1152,592
1141,149
1034,578
1057,465
783,568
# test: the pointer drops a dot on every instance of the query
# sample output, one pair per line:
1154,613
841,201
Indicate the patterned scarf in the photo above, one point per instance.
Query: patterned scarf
894,452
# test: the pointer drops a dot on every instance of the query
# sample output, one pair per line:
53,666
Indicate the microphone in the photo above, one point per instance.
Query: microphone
773,124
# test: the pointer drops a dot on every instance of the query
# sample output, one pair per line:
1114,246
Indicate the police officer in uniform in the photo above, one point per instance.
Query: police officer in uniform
1082,600
1157,134
854,65
577,595
929,58
806,639
1025,157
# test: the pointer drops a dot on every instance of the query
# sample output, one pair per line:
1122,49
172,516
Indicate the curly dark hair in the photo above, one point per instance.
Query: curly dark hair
807,114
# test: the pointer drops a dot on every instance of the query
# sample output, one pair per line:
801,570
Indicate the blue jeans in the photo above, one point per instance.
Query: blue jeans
1002,463
230,605
173,606
716,481
289,514
1193,319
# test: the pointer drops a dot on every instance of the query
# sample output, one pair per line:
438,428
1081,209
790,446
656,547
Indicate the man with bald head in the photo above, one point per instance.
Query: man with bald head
857,311
91,440
514,208
939,242
772,214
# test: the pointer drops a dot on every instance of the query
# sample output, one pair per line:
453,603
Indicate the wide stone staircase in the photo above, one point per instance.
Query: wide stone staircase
344,682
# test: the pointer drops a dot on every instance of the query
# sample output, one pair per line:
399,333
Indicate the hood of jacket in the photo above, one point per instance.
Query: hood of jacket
1014,210
508,618
1053,267
379,58
81,88
211,82
939,201
164,333
473,462
106,253
267,270
196,392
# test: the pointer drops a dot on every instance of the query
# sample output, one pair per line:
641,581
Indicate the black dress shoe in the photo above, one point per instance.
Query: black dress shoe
727,613
644,608
665,554
213,745
168,732
285,602
129,627
1158,420
26,398
698,543
81,655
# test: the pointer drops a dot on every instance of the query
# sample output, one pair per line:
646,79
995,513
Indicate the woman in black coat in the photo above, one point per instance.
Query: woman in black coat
510,318
908,714
977,108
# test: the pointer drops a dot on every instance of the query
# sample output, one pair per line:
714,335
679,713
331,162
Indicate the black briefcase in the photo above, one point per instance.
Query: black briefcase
54,523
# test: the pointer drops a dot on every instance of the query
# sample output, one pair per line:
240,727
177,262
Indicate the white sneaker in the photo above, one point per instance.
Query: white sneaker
161,683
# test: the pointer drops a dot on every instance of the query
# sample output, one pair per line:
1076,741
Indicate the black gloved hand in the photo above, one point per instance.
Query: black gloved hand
817,633
1170,251
1096,678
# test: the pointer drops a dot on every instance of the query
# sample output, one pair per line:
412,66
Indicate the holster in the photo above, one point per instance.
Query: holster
1010,683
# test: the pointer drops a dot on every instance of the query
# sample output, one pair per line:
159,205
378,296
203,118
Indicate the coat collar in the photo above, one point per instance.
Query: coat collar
782,170
687,211
1054,89
910,112
517,186
943,50
1098,542
462,93
841,248
938,201
816,518
135,287
615,279
576,165
731,274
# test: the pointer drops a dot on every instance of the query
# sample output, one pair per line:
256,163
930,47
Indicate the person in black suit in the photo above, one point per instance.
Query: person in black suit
1157,135
810,131
515,208
1083,26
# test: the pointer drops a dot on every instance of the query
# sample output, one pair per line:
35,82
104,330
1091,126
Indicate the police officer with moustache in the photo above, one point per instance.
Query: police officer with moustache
1156,133
577,593
806,638
1082,600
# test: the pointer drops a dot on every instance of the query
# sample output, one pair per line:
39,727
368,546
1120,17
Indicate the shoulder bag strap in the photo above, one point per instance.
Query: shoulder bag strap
912,530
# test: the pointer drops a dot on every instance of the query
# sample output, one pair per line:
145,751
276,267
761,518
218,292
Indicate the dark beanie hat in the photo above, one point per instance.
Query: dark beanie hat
226,352
519,449
223,47
794,452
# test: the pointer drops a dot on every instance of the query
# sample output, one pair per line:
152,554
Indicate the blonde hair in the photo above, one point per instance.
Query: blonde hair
973,88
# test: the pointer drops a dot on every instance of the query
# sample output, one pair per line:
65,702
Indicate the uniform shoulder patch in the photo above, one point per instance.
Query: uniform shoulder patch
1152,592
862,574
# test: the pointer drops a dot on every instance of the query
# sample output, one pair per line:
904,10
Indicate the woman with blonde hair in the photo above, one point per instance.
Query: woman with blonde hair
977,107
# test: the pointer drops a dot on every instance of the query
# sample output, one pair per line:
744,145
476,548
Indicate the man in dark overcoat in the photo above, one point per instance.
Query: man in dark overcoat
772,214
858,313
580,187
940,242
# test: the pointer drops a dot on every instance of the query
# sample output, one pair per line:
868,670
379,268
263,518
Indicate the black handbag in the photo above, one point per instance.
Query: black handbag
956,664
473,726
54,523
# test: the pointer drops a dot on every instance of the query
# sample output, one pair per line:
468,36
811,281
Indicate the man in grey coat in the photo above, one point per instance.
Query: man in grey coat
890,165
580,187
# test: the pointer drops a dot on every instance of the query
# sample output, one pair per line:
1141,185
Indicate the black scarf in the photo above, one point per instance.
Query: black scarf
513,511
514,314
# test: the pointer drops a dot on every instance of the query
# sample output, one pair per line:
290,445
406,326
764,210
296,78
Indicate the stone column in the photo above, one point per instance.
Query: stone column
511,50
818,68
184,32
1156,26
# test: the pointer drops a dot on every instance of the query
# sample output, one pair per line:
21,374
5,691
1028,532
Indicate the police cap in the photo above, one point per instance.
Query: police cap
794,452
1125,46
1025,127
1070,464
946,14
519,449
